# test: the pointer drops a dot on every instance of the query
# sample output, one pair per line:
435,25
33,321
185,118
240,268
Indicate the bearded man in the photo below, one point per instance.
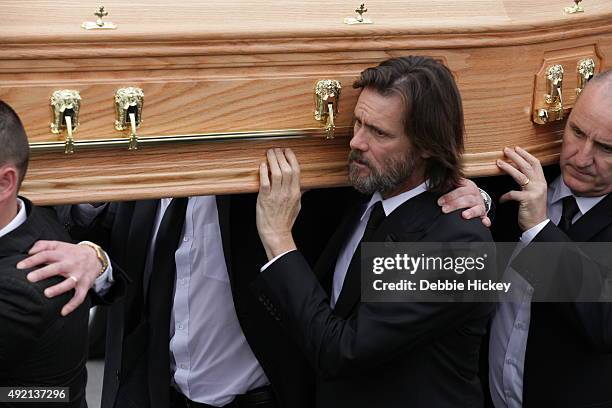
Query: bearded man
406,153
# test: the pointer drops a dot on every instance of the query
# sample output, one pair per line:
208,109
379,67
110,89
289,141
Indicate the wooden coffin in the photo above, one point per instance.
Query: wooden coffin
225,80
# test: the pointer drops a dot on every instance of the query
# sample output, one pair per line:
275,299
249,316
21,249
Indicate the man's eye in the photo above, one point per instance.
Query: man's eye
578,133
606,149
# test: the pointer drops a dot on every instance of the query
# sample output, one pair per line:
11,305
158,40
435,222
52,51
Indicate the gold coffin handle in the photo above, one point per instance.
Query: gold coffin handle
553,99
128,112
327,97
65,108
586,70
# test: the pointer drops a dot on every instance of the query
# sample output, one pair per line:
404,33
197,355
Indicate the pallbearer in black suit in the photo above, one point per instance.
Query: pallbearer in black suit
406,153
43,339
558,354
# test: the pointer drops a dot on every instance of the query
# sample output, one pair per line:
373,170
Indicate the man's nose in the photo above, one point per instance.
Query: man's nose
358,141
584,156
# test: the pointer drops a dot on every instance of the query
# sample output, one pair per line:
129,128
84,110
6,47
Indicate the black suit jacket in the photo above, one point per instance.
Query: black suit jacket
125,232
568,361
39,347
382,354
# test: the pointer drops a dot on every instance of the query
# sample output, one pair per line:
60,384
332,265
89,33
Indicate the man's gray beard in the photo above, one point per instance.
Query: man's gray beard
395,172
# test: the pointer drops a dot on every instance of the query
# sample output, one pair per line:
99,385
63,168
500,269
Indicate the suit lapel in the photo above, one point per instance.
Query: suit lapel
406,224
595,220
324,269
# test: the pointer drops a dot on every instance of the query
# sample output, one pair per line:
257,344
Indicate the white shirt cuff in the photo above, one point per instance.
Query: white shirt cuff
531,233
270,262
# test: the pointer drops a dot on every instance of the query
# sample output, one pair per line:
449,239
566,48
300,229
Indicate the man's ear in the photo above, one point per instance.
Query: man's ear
9,178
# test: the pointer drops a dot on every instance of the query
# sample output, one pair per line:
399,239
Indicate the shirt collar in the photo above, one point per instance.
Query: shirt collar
391,203
19,219
560,190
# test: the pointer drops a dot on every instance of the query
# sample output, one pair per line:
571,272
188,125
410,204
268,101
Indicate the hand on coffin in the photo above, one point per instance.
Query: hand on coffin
527,171
467,195
278,201
79,264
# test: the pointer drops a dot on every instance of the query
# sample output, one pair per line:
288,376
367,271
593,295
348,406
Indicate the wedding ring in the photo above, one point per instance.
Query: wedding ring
74,279
525,183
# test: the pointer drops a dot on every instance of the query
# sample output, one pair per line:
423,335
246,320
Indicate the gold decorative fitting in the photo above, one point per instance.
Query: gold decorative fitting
327,97
554,98
576,8
65,107
99,24
586,70
359,19
128,112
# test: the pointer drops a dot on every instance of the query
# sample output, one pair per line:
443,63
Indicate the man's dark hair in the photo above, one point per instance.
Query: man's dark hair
433,113
14,148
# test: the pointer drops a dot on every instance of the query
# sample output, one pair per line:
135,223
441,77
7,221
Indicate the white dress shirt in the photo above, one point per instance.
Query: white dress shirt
211,361
510,327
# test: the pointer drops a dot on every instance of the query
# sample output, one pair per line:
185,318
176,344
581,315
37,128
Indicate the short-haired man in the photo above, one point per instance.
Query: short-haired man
405,153
558,354
38,346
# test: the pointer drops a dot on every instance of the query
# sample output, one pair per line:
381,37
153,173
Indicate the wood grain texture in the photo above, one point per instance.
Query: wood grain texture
235,66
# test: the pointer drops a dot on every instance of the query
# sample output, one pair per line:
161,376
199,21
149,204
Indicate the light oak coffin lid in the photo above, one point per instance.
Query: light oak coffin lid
311,25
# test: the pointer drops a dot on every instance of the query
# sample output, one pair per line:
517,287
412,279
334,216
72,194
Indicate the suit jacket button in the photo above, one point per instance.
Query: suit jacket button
117,375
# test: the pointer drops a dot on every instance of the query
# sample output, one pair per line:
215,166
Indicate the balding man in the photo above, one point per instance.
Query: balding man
559,354
43,339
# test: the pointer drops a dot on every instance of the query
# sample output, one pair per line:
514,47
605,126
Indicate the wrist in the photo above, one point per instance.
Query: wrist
100,255
277,244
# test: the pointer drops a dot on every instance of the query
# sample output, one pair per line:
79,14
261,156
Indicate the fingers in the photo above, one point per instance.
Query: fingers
517,159
46,272
473,212
76,301
276,177
264,180
40,246
295,166
516,174
464,201
528,157
61,288
41,258
486,221
284,170
512,196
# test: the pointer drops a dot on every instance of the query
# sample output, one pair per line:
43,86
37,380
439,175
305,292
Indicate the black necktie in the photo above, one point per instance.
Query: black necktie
570,209
376,217
159,300
352,281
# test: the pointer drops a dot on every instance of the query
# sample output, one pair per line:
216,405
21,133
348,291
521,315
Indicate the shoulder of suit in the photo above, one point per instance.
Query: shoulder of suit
26,298
456,228
21,299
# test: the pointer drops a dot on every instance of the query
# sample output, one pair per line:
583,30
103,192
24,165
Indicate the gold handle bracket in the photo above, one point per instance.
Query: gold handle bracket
128,110
327,97
554,99
586,70
65,108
